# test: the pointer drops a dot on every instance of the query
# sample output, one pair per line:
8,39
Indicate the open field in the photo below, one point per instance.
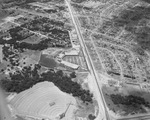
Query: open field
34,39
39,101
29,58
47,61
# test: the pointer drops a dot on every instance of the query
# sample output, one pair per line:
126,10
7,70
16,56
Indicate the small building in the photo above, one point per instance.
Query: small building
70,65
72,53
61,55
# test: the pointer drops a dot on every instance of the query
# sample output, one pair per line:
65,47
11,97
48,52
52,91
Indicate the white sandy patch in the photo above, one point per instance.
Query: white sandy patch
89,79
13,18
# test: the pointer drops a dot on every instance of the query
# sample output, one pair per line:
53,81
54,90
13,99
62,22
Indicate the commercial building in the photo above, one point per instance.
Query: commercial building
70,65
72,52
61,55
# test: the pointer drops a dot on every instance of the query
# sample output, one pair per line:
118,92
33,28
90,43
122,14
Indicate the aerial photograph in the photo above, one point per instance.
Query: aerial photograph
74,59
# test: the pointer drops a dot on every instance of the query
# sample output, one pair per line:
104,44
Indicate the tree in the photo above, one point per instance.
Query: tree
73,75
91,117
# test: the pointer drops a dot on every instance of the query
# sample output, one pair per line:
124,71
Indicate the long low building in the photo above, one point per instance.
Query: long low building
70,65
72,53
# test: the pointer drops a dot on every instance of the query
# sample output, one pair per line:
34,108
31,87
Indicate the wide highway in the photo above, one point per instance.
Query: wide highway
103,114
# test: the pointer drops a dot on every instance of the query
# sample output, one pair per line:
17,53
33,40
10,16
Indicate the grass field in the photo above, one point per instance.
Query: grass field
46,61
34,39
29,57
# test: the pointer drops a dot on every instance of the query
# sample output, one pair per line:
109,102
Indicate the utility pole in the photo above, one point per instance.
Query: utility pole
63,114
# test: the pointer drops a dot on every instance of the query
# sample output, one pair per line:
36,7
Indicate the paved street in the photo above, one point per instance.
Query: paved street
103,115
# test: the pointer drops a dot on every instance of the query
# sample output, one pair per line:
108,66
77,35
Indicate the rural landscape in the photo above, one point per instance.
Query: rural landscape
75,59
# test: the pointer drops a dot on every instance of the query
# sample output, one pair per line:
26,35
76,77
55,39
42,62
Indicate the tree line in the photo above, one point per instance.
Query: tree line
28,76
132,102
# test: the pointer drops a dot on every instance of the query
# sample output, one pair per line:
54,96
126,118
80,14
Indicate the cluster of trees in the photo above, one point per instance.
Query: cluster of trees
77,5
43,24
91,117
10,3
23,45
28,76
39,46
17,44
9,54
18,34
147,1
60,8
73,75
51,11
54,29
55,1
61,37
129,100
